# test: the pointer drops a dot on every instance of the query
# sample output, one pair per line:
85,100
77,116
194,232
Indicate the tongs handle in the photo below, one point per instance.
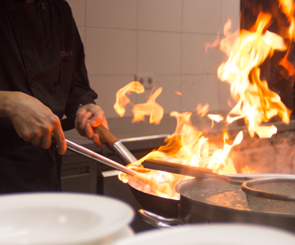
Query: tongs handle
106,137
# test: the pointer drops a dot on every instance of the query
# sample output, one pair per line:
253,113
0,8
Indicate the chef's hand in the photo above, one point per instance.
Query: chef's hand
88,117
35,122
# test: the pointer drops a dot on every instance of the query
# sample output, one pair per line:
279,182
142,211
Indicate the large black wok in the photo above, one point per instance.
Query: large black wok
210,200
165,207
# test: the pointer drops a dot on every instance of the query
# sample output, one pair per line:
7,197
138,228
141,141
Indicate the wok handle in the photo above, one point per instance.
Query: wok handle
157,220
106,137
178,168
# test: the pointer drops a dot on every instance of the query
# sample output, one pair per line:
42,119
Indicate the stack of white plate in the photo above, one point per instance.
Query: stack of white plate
212,234
63,218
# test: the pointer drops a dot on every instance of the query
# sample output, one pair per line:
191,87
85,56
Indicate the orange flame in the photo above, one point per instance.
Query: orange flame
202,110
178,93
150,108
287,7
256,103
122,100
216,118
246,52
212,45
185,146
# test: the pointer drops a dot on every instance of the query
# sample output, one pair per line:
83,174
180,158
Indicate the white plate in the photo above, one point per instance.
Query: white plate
60,218
212,234
125,232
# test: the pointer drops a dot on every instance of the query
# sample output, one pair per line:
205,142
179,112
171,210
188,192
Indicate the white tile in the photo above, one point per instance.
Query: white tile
111,13
163,15
106,88
110,51
201,16
195,59
200,89
169,99
78,9
159,52
231,10
123,128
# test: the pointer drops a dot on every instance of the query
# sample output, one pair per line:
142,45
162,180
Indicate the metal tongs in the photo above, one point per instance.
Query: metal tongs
97,157
113,143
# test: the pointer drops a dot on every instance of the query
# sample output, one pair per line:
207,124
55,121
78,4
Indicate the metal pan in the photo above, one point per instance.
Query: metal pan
211,200
168,208
165,207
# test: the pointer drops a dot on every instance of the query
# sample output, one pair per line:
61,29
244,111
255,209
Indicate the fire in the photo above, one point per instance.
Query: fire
202,110
150,108
246,51
246,169
122,100
256,103
186,145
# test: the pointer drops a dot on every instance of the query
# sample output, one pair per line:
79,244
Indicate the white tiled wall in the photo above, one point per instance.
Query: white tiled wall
161,37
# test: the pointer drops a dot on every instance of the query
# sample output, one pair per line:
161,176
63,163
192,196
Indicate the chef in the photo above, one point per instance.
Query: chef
44,90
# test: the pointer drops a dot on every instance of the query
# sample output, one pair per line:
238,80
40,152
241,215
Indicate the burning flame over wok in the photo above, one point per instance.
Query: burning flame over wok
246,50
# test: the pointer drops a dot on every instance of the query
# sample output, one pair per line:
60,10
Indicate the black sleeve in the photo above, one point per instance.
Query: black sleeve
80,91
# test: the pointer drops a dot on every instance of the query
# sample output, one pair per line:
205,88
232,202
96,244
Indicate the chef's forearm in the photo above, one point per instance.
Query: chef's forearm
7,99
11,102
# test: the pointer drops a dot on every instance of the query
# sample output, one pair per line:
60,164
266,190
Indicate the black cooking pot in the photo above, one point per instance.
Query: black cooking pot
165,207
210,200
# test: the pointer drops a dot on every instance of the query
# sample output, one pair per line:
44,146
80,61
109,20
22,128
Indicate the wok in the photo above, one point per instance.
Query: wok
168,207
194,207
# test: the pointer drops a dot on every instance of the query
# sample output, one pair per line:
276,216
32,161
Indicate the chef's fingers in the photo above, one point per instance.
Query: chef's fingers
46,140
96,140
36,141
59,139
88,130
82,118
43,141
98,118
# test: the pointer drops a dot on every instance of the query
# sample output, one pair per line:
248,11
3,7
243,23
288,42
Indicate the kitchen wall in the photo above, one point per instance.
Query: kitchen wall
165,38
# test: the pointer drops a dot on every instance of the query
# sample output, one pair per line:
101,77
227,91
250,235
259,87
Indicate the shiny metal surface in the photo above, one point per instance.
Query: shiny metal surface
213,200
276,195
123,152
97,157
157,220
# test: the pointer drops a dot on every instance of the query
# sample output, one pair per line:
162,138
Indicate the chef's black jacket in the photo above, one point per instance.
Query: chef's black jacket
41,54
